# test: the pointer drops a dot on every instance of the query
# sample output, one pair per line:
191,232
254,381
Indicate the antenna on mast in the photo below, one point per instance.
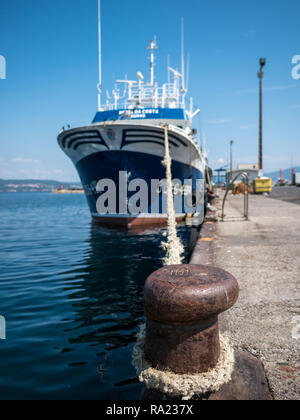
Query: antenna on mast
183,84
152,48
99,86
188,72
182,55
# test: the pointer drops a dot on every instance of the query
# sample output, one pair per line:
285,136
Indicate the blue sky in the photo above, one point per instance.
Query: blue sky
50,48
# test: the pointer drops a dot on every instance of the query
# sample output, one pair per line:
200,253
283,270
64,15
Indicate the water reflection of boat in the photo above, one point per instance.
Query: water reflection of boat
105,290
111,278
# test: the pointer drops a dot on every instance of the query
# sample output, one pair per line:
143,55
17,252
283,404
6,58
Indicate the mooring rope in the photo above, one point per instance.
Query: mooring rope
173,246
184,386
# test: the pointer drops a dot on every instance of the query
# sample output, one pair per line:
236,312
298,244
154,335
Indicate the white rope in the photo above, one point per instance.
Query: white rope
173,247
184,386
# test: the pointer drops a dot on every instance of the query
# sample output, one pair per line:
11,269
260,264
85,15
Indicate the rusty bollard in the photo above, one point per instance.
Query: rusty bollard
182,304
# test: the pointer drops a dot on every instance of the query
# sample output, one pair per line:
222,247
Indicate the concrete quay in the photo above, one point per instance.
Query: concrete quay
263,254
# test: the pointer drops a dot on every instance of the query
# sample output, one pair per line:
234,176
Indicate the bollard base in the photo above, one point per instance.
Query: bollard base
183,386
187,349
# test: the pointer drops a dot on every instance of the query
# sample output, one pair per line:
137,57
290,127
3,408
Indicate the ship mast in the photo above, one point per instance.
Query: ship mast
183,84
152,48
99,86
182,56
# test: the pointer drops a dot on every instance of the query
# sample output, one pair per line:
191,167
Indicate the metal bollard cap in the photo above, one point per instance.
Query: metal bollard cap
185,294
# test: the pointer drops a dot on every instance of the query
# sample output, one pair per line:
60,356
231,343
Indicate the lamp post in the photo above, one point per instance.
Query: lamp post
262,63
231,159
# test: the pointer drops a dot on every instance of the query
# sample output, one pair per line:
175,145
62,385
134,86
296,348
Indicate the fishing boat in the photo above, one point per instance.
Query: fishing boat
119,155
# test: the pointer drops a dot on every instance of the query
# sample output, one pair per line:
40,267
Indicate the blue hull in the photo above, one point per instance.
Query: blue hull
108,164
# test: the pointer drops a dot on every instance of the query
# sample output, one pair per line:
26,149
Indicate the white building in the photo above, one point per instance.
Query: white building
251,169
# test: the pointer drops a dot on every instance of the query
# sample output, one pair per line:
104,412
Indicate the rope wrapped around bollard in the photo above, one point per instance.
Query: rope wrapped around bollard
180,352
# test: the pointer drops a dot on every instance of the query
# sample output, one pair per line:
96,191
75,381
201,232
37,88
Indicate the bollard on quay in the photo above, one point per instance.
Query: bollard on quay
182,304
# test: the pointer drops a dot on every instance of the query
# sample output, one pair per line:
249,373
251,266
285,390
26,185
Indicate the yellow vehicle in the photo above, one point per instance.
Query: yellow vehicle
262,185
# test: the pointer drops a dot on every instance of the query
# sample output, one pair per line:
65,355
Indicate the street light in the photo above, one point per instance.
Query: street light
262,63
231,159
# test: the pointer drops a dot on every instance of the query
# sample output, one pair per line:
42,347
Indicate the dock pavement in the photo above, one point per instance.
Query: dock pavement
264,256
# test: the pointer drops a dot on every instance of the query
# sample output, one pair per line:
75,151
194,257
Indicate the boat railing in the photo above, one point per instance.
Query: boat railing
140,94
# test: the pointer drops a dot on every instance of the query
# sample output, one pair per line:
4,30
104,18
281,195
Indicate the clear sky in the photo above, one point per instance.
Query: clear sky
50,48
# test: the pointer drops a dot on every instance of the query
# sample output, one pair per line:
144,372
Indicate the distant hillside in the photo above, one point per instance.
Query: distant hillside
286,174
33,185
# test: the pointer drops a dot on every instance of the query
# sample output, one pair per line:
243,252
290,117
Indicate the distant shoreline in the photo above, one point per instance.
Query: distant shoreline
26,192
42,192
32,185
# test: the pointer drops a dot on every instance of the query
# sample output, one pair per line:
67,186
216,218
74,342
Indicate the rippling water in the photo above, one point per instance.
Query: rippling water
71,294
